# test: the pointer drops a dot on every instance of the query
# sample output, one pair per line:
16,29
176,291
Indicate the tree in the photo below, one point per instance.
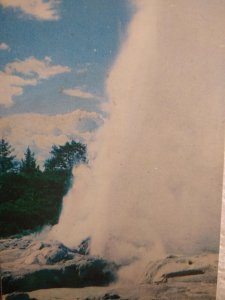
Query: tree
30,198
29,163
6,157
66,156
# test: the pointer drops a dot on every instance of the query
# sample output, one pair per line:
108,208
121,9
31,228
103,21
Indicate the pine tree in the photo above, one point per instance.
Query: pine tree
66,156
6,157
29,163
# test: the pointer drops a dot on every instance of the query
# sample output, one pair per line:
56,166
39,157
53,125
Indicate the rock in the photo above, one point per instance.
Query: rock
17,243
182,277
29,264
106,296
84,247
48,253
79,272
110,296
195,268
18,296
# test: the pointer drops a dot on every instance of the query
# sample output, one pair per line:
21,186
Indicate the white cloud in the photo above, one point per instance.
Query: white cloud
32,66
40,132
10,86
4,46
19,74
39,9
76,92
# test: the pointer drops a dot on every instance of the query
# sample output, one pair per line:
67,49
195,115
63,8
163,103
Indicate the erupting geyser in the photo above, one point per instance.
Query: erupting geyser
154,183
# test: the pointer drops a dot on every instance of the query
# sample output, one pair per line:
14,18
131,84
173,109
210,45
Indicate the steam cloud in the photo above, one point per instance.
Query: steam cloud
154,183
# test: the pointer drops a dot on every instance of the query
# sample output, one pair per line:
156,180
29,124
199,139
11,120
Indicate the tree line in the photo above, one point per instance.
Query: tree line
29,196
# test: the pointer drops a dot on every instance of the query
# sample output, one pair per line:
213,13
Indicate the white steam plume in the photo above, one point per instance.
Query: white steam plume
155,183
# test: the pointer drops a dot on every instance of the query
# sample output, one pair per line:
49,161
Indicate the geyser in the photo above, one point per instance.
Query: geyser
155,175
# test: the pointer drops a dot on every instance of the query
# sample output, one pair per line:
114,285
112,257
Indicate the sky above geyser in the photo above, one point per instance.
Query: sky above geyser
55,57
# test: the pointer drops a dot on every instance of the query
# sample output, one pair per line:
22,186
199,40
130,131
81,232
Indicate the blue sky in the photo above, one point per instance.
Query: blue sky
85,37
55,56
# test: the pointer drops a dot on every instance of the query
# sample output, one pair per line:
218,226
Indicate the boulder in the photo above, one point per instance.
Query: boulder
50,264
108,296
19,296
198,268
85,271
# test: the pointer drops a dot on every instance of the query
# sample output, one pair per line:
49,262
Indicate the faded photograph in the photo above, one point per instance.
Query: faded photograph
112,149
221,267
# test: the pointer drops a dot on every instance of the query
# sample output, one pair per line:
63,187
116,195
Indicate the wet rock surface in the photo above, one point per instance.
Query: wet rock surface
50,270
31,265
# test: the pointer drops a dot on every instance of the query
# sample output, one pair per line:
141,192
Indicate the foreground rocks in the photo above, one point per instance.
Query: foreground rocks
50,270
19,296
31,265
199,268
182,277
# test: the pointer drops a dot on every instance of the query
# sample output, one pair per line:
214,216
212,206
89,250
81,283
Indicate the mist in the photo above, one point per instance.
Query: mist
154,182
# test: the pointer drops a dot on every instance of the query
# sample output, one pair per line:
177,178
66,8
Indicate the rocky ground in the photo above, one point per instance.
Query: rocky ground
34,269
29,264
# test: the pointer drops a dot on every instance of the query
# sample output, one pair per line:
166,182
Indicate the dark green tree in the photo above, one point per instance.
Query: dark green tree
64,157
29,163
6,157
30,198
